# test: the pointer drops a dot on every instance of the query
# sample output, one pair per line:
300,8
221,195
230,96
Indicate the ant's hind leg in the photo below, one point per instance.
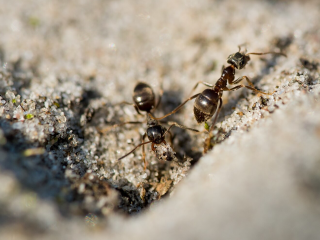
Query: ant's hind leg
202,82
143,152
207,144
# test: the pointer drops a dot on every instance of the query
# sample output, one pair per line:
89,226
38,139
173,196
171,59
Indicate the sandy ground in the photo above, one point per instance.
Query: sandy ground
66,66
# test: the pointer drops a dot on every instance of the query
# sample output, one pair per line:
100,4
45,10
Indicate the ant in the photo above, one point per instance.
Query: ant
209,101
144,101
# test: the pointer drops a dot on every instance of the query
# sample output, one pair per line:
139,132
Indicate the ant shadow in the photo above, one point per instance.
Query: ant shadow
40,166
40,173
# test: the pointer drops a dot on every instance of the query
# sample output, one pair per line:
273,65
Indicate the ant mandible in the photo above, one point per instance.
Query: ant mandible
144,101
209,101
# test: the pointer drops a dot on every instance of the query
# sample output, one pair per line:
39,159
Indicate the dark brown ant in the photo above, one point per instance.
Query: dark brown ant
210,100
156,135
144,101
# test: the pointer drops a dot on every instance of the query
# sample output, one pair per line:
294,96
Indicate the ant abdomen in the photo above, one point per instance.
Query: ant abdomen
205,105
144,97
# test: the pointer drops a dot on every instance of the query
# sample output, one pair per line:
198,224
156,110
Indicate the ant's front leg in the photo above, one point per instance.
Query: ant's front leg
171,138
232,89
240,79
251,86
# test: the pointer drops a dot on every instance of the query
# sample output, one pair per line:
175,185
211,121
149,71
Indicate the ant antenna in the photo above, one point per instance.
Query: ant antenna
134,149
277,53
243,44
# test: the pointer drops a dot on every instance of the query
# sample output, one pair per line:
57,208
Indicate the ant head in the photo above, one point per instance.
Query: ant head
156,134
143,97
238,59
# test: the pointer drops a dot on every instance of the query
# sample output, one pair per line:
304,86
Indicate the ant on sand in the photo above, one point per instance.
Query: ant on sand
209,101
144,101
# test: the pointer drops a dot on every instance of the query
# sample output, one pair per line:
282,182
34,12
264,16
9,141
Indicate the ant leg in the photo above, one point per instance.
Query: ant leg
180,126
171,138
216,116
133,150
108,129
242,44
233,89
208,140
176,109
143,153
251,86
240,79
152,147
256,90
202,82
131,104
